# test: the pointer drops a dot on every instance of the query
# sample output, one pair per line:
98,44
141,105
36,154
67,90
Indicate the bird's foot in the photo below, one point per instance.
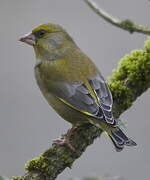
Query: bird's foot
64,141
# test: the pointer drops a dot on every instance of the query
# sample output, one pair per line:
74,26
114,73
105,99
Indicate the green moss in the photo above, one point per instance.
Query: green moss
121,96
69,162
37,164
147,45
130,80
129,25
43,163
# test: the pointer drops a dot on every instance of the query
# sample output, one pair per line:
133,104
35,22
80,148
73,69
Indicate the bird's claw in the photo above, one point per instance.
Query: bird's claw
64,141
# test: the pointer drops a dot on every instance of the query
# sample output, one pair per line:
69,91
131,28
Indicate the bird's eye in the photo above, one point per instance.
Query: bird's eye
40,33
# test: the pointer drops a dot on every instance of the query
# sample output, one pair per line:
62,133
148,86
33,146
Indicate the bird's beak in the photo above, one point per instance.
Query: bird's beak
28,38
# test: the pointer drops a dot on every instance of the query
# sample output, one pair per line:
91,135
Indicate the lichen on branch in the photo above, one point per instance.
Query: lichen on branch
127,83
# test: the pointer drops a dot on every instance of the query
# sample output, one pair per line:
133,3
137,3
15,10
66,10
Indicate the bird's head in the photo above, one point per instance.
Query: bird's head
49,41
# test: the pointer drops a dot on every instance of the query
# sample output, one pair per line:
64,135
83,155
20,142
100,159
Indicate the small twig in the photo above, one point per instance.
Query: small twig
126,24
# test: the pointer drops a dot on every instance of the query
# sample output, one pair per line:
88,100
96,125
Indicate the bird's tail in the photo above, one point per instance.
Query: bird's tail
119,139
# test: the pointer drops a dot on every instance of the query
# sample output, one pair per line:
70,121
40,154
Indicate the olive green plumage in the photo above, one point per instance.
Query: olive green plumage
71,83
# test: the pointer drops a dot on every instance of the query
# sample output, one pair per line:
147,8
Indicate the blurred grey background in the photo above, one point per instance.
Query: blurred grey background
28,125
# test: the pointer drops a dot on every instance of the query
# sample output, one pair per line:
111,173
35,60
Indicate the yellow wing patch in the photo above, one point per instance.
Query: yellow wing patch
92,93
65,102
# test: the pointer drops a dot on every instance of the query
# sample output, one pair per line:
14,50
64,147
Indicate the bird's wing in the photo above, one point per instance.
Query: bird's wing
92,97
104,95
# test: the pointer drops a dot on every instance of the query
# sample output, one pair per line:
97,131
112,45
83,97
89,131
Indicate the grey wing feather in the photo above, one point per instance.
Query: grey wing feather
105,97
79,96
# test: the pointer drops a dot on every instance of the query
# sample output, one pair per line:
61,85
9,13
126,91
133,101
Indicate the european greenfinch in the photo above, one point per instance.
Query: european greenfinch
72,83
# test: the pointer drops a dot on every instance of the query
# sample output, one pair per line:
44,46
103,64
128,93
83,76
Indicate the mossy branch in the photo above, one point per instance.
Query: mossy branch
126,24
129,81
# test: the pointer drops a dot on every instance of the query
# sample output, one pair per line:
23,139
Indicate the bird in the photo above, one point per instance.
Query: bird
72,84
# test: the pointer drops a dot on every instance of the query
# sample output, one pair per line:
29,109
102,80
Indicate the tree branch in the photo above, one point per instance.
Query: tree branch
129,81
127,24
